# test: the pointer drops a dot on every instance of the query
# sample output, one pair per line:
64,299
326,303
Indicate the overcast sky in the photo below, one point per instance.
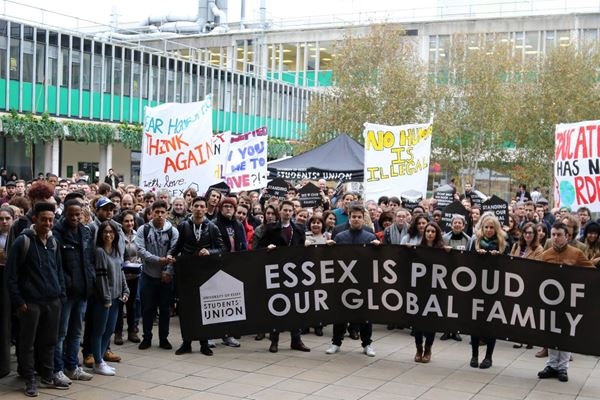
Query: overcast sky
136,10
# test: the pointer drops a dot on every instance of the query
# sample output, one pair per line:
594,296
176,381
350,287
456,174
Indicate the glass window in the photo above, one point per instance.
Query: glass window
14,59
40,53
75,69
28,33
127,73
87,62
107,72
154,80
136,81
15,30
564,38
179,89
97,73
590,36
52,65
550,40
64,67
3,29
532,43
27,61
3,44
117,77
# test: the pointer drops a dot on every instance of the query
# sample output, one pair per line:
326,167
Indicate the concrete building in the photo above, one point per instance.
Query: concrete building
258,76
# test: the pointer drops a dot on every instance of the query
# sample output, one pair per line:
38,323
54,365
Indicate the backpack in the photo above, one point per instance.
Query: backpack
147,233
27,244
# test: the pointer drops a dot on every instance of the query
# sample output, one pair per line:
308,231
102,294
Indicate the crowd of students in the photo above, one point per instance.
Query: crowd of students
79,257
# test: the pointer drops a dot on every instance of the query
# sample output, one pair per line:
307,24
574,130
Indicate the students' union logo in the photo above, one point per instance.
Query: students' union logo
222,299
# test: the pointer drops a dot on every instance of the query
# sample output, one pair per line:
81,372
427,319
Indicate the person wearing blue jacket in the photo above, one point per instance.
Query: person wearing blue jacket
36,288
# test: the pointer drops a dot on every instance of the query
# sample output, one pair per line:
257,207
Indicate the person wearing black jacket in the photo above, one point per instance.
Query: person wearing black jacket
36,288
197,236
281,234
77,253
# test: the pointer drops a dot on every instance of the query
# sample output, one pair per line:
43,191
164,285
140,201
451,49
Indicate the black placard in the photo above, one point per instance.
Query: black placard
498,206
433,290
444,196
220,187
278,187
411,199
453,208
310,195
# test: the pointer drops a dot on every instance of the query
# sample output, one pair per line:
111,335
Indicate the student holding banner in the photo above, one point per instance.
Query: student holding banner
355,235
284,233
561,253
487,238
197,236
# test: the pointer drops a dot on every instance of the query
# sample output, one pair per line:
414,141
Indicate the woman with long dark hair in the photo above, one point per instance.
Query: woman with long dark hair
414,235
111,288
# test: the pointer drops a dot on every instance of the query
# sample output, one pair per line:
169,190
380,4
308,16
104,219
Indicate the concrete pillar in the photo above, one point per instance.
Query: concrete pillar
102,163
47,157
56,156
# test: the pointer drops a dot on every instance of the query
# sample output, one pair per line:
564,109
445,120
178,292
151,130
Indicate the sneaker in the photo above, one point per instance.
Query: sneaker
457,337
54,383
548,372
103,369
88,361
231,342
368,350
62,377
31,387
332,349
112,357
164,344
563,376
78,374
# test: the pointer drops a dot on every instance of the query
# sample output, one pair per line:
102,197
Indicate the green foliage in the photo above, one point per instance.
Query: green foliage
90,132
30,128
130,136
277,148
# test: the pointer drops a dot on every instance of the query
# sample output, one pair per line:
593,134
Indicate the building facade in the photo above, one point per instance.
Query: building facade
257,77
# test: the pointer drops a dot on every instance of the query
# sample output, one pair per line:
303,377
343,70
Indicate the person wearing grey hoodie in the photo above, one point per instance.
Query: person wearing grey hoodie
155,241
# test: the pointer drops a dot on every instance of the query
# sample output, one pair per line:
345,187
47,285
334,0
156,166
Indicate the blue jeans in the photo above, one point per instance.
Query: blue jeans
69,334
155,294
103,326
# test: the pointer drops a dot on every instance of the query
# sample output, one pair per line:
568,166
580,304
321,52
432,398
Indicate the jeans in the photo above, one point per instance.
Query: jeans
429,338
155,294
131,307
103,326
365,329
38,333
69,334
559,360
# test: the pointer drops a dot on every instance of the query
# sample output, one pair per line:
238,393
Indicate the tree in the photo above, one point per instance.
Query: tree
377,78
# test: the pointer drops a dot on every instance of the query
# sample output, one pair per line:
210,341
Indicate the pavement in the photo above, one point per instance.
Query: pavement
251,372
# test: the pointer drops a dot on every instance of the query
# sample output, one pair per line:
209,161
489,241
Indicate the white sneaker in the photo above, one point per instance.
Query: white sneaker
60,376
368,350
332,349
103,369
231,341
78,374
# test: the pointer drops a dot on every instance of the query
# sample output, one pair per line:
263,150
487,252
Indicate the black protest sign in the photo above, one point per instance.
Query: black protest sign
411,199
477,198
498,296
310,195
498,206
278,187
221,187
444,195
452,209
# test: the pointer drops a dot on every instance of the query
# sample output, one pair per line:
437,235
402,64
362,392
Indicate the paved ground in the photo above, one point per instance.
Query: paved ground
251,372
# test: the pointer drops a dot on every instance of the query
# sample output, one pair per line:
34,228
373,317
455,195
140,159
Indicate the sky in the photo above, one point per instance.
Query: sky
80,14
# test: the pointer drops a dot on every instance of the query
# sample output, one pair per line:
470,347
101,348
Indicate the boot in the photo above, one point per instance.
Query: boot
419,355
426,354
118,338
133,337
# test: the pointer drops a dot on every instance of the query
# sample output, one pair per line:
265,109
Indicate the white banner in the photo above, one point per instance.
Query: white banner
179,150
247,161
577,165
396,159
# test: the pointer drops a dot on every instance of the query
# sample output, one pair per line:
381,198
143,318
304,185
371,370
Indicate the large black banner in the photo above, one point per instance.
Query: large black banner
434,290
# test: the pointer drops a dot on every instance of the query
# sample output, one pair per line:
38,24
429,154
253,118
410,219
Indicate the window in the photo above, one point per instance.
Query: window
127,73
98,73
14,59
3,44
117,77
75,69
107,72
52,65
40,54
27,61
87,62
64,52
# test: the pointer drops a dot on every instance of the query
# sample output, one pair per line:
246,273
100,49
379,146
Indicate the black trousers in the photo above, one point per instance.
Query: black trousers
38,334
130,306
295,335
490,345
365,329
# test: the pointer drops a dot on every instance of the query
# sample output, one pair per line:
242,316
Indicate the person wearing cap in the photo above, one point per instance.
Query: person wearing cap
234,238
36,288
104,211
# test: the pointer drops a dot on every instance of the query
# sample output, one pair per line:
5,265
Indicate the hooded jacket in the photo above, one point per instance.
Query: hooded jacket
158,243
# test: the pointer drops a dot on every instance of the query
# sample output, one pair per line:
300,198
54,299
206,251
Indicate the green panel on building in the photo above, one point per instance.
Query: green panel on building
13,102
39,97
96,110
64,101
27,96
74,103
85,104
126,112
135,109
2,91
116,108
51,99
106,109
